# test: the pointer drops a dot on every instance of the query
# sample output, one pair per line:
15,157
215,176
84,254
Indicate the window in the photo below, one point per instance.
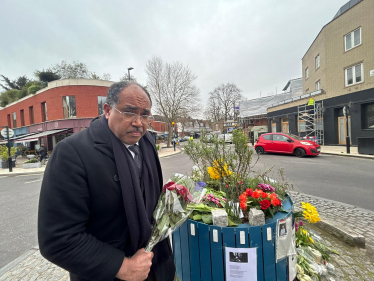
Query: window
318,85
352,39
14,120
31,114
318,63
100,104
44,111
9,124
68,107
302,126
280,138
22,115
353,75
306,73
368,116
267,137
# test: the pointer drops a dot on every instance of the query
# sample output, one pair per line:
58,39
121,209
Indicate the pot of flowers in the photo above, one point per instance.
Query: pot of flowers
252,207
32,163
4,154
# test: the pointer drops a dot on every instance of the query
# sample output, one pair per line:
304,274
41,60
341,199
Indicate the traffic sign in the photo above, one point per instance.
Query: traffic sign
4,133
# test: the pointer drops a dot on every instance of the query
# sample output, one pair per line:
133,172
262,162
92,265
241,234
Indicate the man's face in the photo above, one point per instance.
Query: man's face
132,99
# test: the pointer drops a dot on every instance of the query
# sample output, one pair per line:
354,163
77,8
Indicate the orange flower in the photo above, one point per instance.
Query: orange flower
264,195
273,196
276,202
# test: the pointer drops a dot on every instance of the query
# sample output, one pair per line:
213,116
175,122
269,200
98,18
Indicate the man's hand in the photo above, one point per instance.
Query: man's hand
137,267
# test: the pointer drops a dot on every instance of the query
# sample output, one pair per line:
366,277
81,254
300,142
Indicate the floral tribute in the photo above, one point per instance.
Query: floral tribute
262,198
219,170
312,254
173,208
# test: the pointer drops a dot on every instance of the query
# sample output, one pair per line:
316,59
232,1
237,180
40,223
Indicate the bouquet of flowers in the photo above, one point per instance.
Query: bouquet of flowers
171,210
262,198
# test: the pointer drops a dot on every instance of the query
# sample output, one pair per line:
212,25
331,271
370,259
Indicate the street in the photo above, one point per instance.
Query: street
325,176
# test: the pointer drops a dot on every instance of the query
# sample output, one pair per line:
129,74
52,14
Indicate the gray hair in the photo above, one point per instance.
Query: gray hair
114,91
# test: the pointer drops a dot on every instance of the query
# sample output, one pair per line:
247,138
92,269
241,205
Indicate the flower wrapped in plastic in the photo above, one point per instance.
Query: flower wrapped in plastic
171,210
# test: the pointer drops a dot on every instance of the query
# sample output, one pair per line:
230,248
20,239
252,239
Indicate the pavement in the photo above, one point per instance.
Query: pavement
348,229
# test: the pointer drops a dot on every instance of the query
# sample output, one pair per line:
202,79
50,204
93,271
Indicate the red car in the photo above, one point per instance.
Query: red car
286,143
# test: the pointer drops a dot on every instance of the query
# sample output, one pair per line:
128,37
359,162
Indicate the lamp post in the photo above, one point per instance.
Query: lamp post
130,68
175,142
347,140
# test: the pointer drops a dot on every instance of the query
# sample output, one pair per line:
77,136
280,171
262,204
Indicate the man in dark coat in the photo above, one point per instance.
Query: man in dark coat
98,194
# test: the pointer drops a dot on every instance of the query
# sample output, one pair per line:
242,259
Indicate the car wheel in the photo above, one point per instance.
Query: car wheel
259,150
299,152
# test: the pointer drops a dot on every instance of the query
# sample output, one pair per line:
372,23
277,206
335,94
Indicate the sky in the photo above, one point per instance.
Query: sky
256,44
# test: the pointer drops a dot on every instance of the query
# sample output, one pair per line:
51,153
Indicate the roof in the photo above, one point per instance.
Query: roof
35,137
259,106
341,11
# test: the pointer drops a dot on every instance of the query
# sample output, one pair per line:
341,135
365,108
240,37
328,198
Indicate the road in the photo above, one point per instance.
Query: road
343,179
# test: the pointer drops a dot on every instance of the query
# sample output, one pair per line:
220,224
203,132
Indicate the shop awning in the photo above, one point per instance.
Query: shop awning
17,137
42,134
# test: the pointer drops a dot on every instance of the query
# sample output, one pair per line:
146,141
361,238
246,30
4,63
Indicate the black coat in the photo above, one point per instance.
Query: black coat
82,225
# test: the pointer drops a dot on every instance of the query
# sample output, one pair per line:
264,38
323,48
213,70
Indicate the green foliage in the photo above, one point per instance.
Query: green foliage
4,152
46,76
33,89
34,160
158,147
8,97
21,93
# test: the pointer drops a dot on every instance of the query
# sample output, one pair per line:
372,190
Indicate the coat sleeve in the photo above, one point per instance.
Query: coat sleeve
63,215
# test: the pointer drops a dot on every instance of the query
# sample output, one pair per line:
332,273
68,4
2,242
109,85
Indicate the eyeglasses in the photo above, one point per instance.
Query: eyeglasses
129,116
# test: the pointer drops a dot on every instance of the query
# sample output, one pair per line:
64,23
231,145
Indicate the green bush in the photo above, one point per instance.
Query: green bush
158,147
33,89
34,160
4,152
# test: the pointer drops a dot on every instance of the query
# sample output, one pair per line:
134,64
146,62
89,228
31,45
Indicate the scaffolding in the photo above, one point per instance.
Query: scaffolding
310,121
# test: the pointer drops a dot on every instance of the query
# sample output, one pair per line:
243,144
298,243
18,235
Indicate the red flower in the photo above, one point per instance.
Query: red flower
243,205
264,195
265,204
243,197
256,194
276,202
249,192
170,186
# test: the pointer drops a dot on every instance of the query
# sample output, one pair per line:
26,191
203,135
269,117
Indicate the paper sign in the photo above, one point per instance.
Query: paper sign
241,264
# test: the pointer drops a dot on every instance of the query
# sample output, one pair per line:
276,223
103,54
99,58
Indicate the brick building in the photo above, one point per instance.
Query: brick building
55,112
338,72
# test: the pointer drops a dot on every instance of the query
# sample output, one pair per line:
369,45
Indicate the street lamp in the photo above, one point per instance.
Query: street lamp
130,68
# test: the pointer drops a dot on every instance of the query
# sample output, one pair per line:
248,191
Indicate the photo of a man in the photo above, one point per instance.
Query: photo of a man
282,229
238,257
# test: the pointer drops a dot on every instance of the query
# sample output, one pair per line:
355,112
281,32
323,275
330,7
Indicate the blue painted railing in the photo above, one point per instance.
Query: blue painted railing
198,258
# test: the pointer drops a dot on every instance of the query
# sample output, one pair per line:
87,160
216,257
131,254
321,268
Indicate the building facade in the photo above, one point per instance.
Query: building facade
55,112
338,72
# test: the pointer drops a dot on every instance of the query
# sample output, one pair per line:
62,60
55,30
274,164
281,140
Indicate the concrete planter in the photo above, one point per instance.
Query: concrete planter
198,257
5,165
32,165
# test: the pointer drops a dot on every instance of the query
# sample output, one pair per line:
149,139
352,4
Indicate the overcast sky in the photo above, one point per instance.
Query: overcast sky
256,44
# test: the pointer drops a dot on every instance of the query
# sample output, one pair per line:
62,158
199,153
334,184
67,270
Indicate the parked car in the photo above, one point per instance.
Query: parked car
286,143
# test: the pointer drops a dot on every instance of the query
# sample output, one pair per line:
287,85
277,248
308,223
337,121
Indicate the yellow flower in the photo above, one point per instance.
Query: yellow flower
304,231
218,170
310,213
311,240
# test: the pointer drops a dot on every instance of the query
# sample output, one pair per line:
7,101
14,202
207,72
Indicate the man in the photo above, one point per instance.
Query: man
42,152
99,192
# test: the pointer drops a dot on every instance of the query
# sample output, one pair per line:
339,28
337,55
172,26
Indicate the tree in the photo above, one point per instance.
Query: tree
222,102
172,88
15,84
47,76
105,76
125,77
74,70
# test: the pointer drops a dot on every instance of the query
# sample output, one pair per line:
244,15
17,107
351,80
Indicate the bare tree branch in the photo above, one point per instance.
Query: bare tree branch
172,90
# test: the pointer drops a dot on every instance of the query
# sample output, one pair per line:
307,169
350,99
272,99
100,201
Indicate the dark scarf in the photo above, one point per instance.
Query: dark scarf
138,209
